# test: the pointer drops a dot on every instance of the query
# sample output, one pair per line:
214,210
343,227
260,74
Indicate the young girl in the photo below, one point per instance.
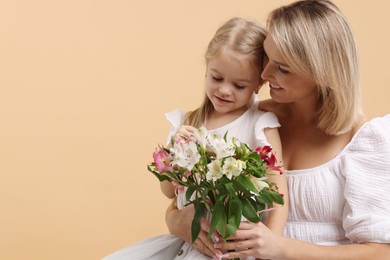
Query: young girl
234,59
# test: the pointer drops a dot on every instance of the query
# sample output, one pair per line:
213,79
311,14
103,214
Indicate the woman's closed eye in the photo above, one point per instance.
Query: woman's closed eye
282,70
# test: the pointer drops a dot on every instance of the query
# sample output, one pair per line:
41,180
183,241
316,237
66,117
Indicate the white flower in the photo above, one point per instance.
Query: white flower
185,155
233,167
259,183
219,146
200,136
214,170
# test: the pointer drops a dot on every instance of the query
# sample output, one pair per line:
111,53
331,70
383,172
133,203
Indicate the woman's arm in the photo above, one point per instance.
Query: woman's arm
179,223
265,244
277,218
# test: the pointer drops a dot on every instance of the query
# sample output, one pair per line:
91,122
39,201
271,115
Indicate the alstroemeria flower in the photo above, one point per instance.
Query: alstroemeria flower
185,155
266,154
214,170
232,167
219,146
162,160
259,183
200,135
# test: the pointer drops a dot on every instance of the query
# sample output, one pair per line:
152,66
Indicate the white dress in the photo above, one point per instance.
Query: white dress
346,200
249,129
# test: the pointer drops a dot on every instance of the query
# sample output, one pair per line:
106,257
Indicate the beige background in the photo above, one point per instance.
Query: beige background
83,88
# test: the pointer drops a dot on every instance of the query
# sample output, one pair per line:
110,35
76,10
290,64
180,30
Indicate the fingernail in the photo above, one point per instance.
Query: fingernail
217,257
215,238
217,245
225,256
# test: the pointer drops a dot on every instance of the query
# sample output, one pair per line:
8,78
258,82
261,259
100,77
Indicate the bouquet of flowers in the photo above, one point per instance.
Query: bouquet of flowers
224,177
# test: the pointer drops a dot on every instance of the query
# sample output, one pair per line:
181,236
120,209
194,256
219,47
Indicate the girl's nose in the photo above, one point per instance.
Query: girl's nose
225,89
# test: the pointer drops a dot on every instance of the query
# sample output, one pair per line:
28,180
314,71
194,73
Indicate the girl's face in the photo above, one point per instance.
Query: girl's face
286,86
230,83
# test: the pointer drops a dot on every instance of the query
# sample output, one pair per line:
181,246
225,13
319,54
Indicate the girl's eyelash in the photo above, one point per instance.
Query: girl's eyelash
217,79
239,86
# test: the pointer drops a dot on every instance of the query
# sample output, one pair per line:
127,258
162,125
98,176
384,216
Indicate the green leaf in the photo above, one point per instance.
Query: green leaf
277,197
219,215
248,211
190,191
259,205
241,189
234,216
199,213
160,177
231,190
266,196
246,183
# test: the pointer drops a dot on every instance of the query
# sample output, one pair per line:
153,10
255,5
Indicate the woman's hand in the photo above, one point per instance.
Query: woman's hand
179,223
252,239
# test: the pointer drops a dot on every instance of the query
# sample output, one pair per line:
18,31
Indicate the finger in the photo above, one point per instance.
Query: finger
245,225
205,225
205,246
239,254
242,234
237,245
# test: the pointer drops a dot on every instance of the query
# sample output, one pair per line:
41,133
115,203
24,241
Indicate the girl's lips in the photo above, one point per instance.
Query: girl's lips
222,100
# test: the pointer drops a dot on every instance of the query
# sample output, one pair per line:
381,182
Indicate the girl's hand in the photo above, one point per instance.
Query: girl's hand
179,223
185,131
252,239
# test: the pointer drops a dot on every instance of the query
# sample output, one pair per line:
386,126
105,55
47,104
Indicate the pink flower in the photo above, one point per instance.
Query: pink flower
162,161
266,155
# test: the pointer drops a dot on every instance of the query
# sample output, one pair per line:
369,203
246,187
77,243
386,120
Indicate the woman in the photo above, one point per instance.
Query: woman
337,164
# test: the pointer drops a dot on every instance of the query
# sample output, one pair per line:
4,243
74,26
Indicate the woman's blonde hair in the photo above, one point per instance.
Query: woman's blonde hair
317,42
243,36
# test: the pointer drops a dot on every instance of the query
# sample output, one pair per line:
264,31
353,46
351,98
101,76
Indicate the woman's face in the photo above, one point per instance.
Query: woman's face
286,86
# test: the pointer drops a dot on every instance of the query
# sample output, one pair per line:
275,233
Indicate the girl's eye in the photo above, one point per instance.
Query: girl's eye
239,86
217,78
284,71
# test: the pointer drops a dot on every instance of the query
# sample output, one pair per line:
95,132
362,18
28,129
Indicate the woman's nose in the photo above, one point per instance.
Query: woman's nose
267,72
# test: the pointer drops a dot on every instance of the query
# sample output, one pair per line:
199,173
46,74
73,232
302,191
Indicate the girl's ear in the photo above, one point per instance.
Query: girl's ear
262,82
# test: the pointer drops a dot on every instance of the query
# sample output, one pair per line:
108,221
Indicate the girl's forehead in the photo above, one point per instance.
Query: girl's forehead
236,65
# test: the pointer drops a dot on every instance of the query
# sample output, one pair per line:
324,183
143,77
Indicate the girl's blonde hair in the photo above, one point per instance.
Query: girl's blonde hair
317,42
243,36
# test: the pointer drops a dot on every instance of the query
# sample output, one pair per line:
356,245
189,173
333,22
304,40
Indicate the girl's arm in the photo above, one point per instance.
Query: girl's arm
277,218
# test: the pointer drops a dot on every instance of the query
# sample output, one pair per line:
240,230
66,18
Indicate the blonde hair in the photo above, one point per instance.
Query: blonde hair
317,42
243,36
